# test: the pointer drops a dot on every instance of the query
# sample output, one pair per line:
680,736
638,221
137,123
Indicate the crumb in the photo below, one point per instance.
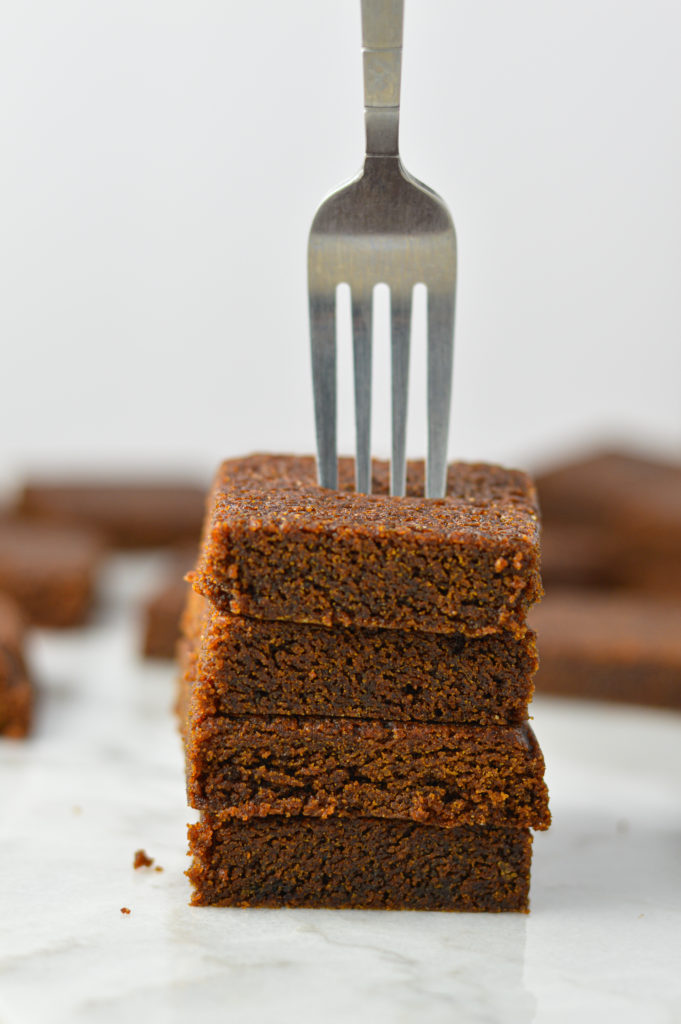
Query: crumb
158,868
141,860
77,809
125,910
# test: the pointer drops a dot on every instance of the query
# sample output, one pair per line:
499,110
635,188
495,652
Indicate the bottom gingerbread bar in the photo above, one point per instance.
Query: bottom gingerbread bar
364,863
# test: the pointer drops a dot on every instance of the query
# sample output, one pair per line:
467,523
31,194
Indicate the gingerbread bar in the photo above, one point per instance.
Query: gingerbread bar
162,613
16,691
445,775
616,490
636,504
610,646
578,555
49,570
245,665
278,546
357,863
658,572
125,513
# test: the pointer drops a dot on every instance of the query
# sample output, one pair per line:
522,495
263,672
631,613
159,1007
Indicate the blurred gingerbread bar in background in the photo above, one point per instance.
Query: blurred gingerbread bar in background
633,503
162,614
162,611
577,555
126,513
609,627
614,645
49,570
16,691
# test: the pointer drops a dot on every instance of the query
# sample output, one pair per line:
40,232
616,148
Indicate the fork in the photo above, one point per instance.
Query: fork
384,226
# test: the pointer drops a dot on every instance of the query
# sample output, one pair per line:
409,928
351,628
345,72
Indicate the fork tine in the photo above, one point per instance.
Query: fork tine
323,344
400,331
361,339
440,361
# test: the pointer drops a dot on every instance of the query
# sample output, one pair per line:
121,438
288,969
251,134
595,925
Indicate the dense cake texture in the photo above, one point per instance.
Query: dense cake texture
252,665
610,646
16,691
277,546
444,775
49,570
126,513
357,863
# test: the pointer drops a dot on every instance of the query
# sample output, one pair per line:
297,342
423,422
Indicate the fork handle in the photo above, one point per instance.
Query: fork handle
382,62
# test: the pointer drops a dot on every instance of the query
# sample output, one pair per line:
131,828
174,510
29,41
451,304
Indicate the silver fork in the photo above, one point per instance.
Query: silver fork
385,226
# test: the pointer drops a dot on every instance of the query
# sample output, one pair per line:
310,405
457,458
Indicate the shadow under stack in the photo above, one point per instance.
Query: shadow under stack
356,677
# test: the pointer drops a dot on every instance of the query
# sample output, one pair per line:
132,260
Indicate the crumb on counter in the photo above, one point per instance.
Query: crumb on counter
125,910
141,860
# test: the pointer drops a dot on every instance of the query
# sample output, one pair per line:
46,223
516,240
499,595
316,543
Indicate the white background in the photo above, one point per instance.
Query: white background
160,164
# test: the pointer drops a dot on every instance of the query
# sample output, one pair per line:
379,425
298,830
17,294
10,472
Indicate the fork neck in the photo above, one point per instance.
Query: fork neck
382,62
382,131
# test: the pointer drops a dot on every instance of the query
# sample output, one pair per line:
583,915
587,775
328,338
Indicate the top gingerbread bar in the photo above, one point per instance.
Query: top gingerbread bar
278,546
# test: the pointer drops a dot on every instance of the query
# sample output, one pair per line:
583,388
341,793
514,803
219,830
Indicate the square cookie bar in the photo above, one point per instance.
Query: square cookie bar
610,645
445,775
126,513
245,666
49,570
278,546
357,863
16,691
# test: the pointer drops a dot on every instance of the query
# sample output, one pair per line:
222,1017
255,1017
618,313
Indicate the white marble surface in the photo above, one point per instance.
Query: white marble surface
103,776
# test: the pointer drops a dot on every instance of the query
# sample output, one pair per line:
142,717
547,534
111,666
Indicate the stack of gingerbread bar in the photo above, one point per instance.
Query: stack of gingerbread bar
357,673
